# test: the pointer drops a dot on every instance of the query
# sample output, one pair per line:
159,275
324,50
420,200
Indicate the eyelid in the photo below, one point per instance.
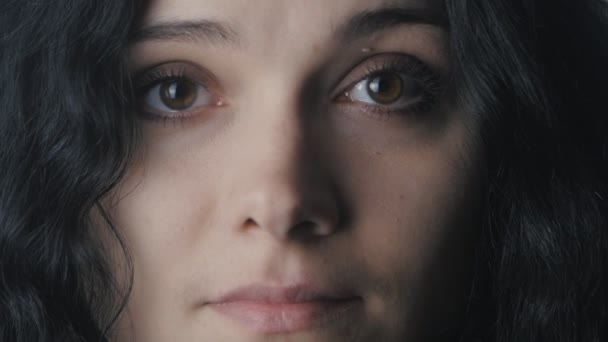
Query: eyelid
151,77
379,63
176,69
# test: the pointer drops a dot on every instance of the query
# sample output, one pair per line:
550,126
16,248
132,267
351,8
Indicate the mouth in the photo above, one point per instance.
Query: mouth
274,310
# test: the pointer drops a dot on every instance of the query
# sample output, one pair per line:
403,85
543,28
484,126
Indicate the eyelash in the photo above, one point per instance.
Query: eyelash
149,80
430,82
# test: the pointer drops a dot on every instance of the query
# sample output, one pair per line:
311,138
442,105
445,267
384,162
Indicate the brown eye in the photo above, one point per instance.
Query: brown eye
385,88
178,94
391,89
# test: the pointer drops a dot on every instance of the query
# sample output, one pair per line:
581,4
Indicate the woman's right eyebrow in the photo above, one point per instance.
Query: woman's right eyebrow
214,32
221,33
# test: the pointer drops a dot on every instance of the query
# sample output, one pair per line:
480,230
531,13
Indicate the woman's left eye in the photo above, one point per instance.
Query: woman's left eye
390,89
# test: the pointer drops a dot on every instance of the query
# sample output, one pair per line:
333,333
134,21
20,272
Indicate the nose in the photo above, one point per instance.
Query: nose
282,185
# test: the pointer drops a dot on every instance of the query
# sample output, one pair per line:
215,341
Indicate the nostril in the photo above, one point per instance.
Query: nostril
250,223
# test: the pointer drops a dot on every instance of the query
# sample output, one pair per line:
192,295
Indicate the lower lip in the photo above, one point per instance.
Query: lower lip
274,318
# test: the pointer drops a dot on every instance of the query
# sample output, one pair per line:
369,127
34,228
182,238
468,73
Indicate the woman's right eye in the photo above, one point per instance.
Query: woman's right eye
174,95
176,90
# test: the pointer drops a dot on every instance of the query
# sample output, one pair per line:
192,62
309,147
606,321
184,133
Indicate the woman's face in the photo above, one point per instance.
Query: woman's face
304,174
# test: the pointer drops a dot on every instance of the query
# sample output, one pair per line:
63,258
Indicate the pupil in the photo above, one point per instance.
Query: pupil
178,94
386,89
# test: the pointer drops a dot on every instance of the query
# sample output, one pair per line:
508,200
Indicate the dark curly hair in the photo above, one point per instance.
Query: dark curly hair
533,71
65,136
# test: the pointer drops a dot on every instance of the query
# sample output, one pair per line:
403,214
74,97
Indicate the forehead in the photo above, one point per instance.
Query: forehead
317,8
290,30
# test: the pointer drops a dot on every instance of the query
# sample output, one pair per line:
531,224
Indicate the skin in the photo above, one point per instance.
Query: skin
280,179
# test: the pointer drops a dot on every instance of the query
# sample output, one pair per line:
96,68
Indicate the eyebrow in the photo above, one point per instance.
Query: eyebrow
188,31
369,22
363,24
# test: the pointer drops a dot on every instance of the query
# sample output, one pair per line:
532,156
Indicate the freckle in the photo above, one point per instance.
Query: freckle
401,197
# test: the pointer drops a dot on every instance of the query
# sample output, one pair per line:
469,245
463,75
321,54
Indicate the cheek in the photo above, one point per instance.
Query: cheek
409,207
163,208
419,216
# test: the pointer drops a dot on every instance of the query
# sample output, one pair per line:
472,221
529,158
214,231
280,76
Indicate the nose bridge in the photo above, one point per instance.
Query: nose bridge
281,184
276,132
281,139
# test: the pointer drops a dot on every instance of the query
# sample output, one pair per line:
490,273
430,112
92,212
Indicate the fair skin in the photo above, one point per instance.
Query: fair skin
288,172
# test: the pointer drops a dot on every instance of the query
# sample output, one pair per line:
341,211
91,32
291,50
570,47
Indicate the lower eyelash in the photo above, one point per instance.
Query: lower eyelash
163,118
418,109
178,120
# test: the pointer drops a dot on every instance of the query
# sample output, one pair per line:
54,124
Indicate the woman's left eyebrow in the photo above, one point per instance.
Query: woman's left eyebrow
369,22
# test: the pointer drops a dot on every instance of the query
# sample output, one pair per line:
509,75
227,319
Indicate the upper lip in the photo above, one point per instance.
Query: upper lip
299,293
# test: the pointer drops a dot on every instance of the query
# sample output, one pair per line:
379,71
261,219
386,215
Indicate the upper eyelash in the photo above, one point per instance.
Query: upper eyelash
150,79
414,68
431,82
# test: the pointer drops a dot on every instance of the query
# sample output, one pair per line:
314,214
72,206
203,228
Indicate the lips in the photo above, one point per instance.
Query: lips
271,310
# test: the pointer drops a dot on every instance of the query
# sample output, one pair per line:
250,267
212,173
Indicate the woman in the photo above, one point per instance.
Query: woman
303,171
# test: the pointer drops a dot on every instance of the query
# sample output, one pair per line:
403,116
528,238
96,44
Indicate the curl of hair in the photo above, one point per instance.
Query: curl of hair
65,136
532,72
